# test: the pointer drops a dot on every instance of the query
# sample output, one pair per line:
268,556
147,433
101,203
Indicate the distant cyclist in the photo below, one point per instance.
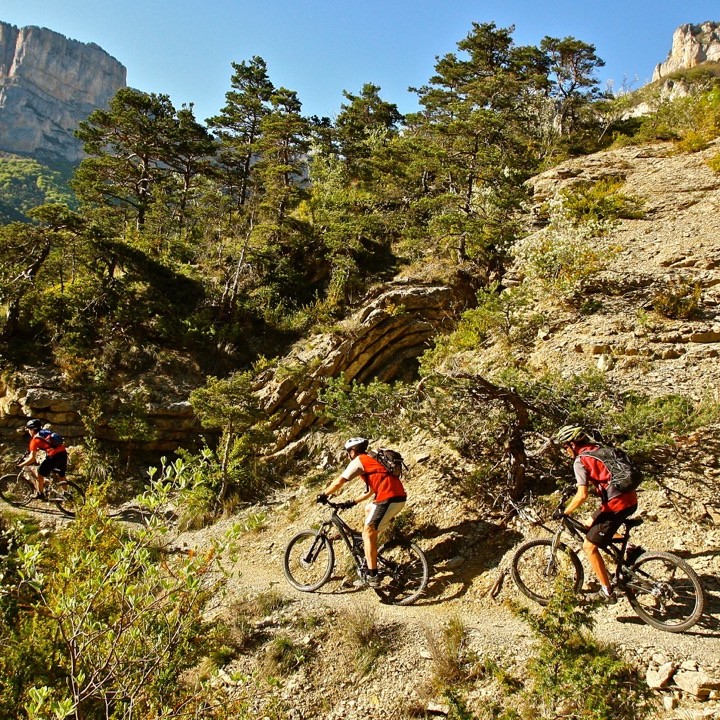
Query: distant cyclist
615,506
55,457
387,493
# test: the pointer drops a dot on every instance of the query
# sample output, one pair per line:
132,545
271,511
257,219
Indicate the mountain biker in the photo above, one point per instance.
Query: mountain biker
55,458
387,493
615,506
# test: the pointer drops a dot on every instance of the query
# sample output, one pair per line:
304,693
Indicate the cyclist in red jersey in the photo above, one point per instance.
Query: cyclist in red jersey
55,457
387,493
615,506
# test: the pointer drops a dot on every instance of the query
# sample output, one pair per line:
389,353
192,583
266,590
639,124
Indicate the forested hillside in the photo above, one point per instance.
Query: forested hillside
296,279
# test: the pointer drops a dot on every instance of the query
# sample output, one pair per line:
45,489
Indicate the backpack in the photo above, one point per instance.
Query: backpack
391,460
53,439
624,473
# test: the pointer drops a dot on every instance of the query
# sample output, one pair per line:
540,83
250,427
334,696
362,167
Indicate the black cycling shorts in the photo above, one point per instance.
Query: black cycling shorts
605,524
54,462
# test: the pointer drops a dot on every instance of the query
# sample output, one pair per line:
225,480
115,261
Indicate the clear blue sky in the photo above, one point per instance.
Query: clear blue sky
321,47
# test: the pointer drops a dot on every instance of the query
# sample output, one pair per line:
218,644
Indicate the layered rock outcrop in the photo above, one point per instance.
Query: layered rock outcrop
48,84
166,422
377,342
380,340
691,46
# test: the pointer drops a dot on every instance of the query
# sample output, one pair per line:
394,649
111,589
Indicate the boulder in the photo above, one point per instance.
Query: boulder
696,683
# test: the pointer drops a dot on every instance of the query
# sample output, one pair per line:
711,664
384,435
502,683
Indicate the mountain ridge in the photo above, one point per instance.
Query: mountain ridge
48,84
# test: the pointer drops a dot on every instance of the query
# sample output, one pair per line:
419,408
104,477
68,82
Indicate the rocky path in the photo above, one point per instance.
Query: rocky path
693,657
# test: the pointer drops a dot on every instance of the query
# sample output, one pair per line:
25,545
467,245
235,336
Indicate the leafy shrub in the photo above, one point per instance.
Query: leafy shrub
504,316
372,410
575,675
652,423
692,141
714,163
562,255
121,620
679,299
601,201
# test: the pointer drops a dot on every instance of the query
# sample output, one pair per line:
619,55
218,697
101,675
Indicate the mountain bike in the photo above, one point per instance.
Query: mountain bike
662,589
18,489
310,559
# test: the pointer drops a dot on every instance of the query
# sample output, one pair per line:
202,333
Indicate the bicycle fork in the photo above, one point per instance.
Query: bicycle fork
551,569
314,550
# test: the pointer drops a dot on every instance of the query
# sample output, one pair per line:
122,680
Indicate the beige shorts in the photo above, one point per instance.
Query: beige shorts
378,515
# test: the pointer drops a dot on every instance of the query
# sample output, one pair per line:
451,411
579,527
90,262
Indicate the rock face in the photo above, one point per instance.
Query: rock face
48,84
675,241
691,46
378,341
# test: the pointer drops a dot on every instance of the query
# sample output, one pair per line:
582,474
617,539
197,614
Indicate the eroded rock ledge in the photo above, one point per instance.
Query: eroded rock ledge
381,340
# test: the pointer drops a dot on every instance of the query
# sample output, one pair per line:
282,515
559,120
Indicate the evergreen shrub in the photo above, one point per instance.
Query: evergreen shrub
572,673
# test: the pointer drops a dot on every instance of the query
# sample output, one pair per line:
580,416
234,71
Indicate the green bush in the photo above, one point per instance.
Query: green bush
504,317
371,410
572,674
107,621
714,163
561,256
678,299
653,423
601,201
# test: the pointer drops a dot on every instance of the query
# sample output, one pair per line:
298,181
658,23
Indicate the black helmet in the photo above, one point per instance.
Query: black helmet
359,443
33,424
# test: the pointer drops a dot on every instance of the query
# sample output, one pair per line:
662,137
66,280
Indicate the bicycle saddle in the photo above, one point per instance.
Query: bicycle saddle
633,522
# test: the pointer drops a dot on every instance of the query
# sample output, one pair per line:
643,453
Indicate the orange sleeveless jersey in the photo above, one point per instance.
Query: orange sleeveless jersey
379,480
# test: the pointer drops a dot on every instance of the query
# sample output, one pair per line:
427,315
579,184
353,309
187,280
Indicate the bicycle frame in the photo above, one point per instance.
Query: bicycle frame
615,550
349,536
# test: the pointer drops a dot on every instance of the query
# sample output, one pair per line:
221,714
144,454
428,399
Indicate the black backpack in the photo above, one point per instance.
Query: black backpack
53,439
391,460
624,473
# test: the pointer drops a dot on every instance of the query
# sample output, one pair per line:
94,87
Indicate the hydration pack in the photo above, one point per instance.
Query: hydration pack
391,460
624,474
52,438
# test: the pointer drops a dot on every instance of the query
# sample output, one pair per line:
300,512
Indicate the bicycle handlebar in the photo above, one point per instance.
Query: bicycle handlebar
334,505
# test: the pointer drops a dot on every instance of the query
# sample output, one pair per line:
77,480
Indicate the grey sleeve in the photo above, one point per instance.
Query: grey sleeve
581,476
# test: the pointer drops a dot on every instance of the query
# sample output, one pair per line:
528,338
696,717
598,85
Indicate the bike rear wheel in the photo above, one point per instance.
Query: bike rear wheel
309,560
69,497
16,489
536,569
665,591
404,572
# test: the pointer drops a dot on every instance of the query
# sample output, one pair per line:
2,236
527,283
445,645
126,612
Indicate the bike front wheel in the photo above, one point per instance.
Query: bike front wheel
665,591
69,498
309,560
536,569
404,573
16,489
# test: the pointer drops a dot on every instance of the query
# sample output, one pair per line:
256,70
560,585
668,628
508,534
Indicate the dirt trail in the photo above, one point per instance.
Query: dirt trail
463,592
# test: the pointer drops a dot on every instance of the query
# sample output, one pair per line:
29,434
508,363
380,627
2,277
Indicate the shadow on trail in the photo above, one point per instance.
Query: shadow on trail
461,553
131,514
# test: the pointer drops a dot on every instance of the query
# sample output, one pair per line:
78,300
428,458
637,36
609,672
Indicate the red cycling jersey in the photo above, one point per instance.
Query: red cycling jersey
384,485
590,468
37,443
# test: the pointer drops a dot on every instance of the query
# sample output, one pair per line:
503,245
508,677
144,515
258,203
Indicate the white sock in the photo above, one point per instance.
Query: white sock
607,589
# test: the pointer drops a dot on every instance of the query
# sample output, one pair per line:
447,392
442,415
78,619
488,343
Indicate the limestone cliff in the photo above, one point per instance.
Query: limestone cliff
691,46
48,84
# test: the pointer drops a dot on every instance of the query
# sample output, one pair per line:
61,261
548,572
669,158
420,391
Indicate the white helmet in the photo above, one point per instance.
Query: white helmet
358,443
